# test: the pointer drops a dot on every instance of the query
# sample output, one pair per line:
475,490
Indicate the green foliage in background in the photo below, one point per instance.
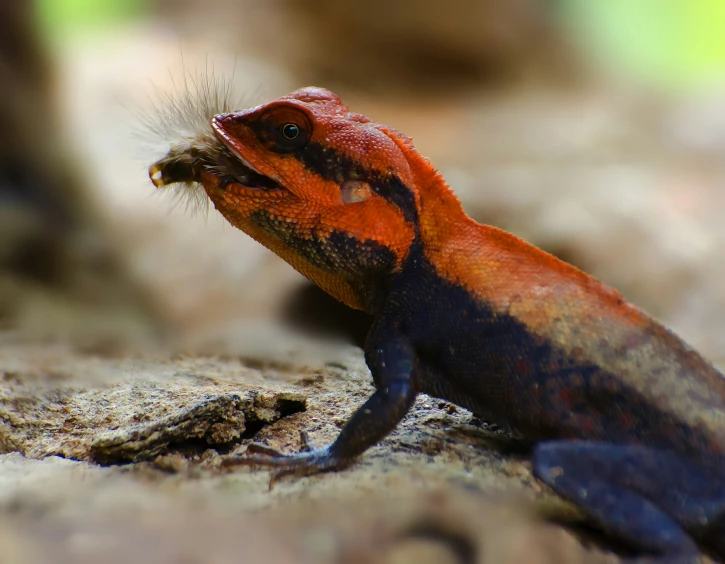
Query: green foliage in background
672,43
58,18
669,43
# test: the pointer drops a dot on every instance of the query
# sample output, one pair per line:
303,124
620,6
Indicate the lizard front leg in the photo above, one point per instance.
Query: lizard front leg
391,359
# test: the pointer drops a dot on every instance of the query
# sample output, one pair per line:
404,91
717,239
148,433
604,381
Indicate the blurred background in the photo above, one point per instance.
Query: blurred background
595,130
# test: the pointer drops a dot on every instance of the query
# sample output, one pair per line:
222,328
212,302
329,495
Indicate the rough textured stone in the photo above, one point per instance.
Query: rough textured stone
62,511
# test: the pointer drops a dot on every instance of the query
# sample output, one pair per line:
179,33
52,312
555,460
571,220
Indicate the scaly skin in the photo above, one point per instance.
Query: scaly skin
628,422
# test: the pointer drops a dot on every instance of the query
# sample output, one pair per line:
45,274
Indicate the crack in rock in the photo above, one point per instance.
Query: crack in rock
216,422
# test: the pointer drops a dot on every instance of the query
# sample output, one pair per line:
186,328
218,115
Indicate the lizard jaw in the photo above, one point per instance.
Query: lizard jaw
230,144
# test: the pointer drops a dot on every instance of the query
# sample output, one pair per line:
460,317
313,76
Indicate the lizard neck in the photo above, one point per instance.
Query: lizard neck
440,215
439,220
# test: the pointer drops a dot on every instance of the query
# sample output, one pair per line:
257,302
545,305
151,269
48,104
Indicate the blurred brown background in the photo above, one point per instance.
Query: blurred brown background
555,120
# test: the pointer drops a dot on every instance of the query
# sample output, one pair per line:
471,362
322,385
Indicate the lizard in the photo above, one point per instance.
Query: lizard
625,419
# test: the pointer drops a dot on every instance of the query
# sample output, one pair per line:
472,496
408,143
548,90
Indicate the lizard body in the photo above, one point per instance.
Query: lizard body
627,420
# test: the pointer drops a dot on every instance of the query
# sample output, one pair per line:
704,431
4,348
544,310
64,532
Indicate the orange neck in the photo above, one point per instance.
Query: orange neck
441,215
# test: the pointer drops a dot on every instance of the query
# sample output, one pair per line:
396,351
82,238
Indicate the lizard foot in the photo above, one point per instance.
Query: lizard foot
301,464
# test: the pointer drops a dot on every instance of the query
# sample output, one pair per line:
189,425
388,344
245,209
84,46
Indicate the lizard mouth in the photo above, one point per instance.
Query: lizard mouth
186,164
231,169
249,173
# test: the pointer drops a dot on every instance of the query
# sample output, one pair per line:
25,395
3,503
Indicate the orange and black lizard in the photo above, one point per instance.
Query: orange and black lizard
625,419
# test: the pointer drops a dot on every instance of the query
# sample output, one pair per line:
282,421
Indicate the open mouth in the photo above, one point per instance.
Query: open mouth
232,170
244,171
186,165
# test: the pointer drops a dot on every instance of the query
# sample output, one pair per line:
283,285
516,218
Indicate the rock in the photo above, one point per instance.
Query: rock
437,486
63,512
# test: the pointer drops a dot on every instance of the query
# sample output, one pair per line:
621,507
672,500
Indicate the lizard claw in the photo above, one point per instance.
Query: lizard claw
299,465
255,448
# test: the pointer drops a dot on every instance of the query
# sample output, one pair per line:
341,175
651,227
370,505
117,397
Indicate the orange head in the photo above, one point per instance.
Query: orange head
339,197
328,190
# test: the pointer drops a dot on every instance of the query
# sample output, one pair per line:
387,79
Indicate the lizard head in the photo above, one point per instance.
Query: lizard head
326,189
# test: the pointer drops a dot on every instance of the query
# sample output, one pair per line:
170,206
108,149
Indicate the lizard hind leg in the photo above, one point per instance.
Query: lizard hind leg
644,496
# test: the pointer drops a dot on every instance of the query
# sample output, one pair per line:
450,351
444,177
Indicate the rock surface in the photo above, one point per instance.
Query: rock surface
104,516
119,459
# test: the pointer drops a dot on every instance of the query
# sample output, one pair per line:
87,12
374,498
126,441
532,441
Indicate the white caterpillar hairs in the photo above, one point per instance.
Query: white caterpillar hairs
179,123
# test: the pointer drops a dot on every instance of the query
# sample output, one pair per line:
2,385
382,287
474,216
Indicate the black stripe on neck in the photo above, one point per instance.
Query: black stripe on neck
332,165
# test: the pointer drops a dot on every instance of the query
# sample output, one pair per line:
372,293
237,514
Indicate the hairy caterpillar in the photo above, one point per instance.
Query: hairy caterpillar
180,119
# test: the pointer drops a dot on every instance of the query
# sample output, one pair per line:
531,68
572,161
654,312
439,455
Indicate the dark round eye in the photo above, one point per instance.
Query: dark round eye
290,130
284,128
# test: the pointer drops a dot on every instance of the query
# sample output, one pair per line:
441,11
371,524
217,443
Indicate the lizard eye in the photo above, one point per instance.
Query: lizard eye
285,129
290,131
